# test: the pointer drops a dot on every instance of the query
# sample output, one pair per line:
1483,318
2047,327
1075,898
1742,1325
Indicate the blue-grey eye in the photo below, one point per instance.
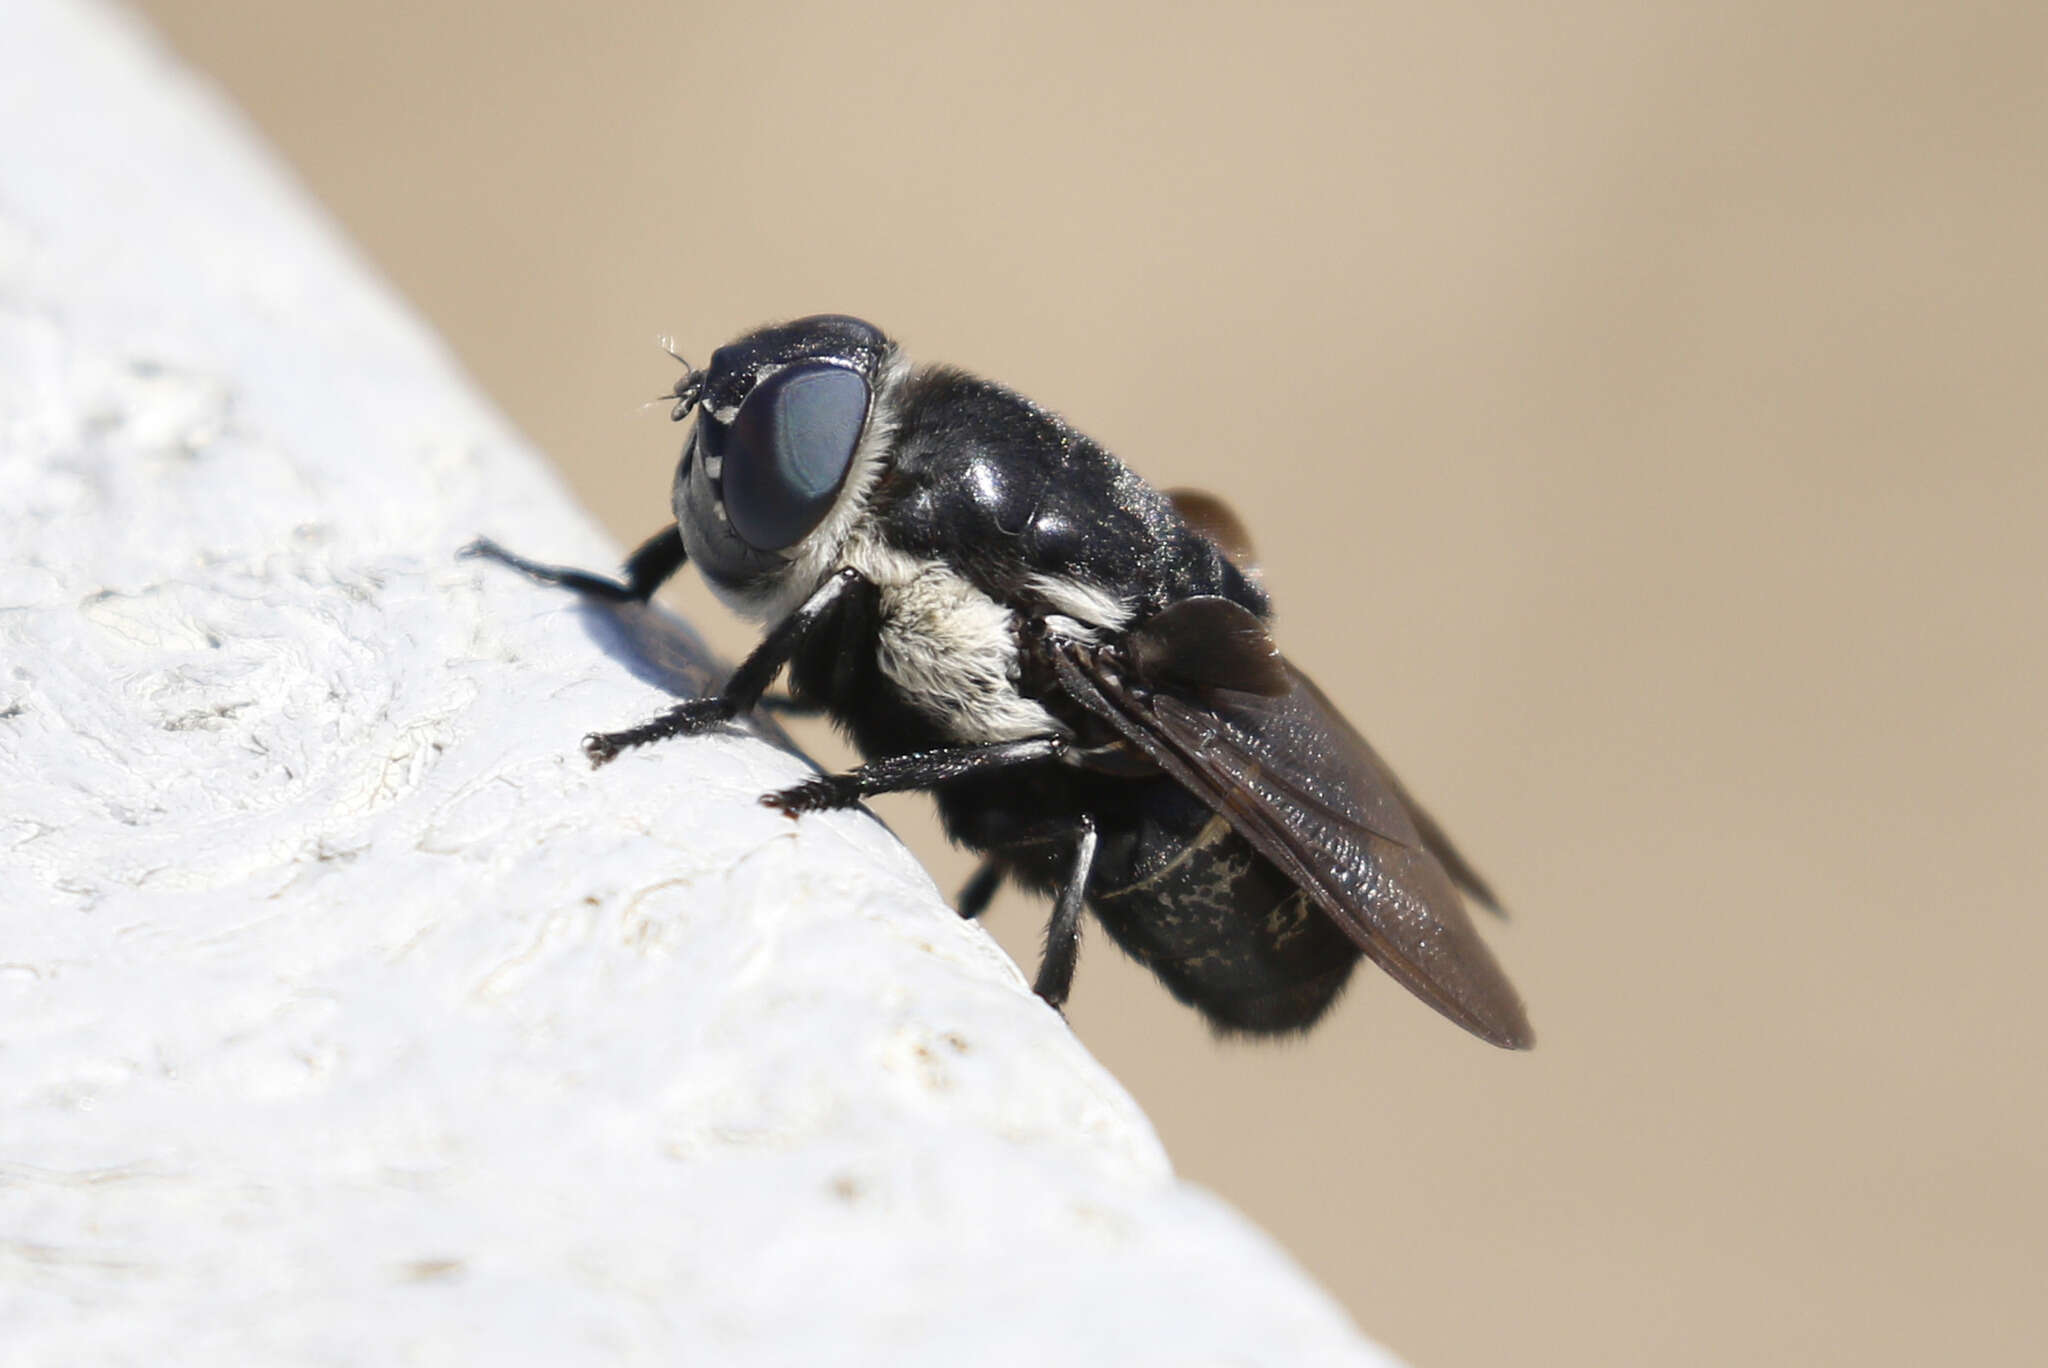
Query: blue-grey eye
789,449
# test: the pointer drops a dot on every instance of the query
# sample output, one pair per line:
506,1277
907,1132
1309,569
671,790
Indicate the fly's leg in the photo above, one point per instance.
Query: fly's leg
915,772
927,769
980,890
659,557
647,569
748,682
1063,932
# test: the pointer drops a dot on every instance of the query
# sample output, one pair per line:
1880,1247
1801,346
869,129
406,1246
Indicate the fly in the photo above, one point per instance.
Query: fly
1075,665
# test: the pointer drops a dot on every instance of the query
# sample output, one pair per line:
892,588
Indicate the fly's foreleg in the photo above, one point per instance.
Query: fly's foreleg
657,558
748,682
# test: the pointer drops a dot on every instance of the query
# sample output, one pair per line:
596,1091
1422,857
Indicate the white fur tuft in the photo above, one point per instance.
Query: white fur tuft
950,647
1088,604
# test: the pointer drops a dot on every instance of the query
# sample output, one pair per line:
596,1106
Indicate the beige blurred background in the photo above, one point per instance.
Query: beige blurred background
1641,410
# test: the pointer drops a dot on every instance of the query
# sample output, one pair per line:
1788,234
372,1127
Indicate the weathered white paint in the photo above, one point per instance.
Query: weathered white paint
346,1016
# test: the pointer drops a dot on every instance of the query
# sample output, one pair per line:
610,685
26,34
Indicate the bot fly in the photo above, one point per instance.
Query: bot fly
1075,665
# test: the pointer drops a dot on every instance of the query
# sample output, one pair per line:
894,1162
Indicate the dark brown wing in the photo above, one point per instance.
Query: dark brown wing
1298,781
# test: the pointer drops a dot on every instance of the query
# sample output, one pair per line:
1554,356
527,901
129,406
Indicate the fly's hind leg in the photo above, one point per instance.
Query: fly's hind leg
1063,932
929,769
980,890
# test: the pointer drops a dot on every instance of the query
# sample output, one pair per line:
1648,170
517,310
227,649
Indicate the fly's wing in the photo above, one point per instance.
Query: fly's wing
1201,691
1434,839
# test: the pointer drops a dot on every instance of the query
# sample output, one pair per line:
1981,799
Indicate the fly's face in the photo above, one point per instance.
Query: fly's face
792,431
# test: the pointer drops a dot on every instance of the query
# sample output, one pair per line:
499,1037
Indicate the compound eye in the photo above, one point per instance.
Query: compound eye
788,452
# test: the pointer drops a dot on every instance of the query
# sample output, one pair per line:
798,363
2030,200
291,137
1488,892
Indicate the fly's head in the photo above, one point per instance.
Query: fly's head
793,428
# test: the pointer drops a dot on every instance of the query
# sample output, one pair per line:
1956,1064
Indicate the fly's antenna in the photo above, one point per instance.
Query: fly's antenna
689,389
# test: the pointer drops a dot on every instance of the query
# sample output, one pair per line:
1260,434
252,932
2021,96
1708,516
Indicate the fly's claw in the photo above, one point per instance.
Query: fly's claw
826,793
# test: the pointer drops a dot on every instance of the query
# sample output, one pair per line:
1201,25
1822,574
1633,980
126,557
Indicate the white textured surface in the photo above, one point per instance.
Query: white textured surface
345,1015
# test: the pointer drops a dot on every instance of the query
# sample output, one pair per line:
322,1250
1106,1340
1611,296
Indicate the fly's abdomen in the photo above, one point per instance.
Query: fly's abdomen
1221,926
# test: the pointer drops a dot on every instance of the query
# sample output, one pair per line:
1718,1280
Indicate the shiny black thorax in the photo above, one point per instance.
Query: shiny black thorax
1002,490
1008,495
